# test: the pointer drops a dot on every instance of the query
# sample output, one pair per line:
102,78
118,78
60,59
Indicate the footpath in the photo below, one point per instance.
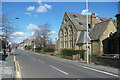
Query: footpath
7,69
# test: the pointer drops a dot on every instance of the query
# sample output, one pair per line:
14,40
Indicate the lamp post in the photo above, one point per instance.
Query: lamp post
5,29
87,30
55,45
34,45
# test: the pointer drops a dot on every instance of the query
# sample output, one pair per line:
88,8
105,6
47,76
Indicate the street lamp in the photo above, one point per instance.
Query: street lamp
87,30
34,45
5,30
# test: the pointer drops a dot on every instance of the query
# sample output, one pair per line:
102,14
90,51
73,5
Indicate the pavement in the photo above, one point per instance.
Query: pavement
47,66
7,69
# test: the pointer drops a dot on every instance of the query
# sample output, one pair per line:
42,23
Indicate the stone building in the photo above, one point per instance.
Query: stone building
100,41
72,33
118,32
111,45
27,42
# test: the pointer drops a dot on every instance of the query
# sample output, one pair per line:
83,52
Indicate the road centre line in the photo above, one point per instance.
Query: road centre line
91,68
59,70
83,67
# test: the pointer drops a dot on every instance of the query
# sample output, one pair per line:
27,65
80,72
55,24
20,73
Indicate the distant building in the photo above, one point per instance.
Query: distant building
72,33
27,42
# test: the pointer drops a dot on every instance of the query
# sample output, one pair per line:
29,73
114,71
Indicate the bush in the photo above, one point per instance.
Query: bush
70,52
49,50
37,49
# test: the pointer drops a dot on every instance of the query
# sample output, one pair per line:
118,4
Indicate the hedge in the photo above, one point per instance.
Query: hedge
49,50
70,52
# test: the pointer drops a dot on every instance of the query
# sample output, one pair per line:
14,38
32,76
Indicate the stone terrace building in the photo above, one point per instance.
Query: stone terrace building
72,33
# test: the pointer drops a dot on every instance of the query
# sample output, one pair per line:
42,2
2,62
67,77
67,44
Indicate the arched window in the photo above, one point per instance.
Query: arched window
61,39
66,38
71,36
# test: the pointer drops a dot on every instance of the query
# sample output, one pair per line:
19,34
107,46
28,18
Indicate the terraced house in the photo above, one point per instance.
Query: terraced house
72,33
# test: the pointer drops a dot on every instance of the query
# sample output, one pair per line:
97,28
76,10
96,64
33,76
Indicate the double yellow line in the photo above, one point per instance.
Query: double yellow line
18,74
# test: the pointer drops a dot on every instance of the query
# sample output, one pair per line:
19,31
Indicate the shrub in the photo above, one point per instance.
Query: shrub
70,52
49,50
37,49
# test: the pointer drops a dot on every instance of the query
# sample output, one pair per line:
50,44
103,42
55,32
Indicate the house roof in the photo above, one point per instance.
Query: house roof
98,30
79,18
82,38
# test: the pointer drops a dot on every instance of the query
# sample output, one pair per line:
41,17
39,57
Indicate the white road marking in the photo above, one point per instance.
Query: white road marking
59,70
100,71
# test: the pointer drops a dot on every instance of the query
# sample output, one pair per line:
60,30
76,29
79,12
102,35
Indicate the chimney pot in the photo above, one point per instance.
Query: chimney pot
93,13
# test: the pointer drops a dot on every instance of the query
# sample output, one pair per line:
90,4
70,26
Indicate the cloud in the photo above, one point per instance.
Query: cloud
48,6
20,36
31,27
30,8
84,12
40,2
43,8
52,32
28,13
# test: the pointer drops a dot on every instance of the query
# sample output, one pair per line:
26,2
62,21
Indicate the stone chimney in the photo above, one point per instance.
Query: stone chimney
93,20
118,33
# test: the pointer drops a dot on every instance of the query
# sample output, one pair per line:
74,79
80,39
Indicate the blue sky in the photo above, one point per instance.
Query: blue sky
32,14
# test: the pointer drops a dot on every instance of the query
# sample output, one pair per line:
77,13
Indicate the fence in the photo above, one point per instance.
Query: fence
107,61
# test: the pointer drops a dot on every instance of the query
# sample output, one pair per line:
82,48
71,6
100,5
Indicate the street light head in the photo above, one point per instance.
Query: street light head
17,18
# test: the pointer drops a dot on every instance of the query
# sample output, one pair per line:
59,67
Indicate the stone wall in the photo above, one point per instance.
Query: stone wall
107,61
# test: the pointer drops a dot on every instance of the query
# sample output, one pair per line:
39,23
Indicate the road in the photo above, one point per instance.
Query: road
40,66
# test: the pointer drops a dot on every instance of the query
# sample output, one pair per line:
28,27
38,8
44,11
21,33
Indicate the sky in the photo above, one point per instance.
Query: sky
32,14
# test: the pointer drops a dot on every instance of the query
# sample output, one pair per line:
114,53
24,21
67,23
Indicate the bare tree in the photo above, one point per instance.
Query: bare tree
43,31
7,27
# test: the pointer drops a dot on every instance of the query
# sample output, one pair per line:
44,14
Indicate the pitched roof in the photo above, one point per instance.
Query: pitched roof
82,38
98,30
79,18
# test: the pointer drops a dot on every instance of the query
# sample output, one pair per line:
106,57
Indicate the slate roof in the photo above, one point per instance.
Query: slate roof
82,39
98,30
82,18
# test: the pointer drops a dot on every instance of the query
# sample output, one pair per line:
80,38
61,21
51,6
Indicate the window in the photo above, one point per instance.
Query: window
81,23
61,38
89,26
74,16
71,37
65,20
66,38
